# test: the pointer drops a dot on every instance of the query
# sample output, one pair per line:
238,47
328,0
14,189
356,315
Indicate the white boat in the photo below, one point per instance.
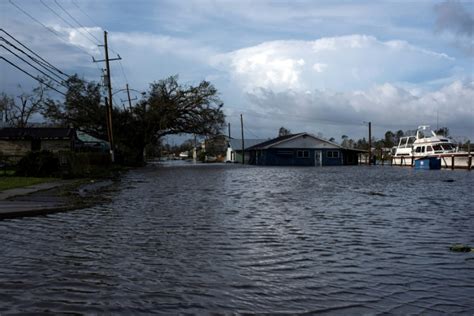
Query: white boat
425,144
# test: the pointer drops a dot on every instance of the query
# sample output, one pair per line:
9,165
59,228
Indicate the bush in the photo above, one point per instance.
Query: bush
38,164
84,164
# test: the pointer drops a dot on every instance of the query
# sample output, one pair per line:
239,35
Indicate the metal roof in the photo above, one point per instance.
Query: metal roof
236,144
282,139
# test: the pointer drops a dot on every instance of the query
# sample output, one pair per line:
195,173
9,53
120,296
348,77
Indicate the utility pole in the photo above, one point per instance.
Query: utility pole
242,130
109,88
107,123
228,128
129,100
370,143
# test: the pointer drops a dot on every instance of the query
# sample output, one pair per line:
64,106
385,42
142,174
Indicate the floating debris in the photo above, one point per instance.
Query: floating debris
461,248
375,193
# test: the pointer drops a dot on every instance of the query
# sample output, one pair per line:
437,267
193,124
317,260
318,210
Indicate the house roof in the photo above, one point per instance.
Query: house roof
274,141
285,138
86,138
236,144
37,133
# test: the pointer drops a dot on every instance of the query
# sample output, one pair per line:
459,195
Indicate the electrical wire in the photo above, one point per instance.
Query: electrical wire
43,61
75,20
32,58
30,75
67,22
26,62
47,28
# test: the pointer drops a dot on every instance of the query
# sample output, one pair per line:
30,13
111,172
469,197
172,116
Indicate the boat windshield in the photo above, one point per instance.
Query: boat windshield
443,147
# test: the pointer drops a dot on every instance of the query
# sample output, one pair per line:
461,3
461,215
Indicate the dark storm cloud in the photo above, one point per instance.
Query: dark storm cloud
452,16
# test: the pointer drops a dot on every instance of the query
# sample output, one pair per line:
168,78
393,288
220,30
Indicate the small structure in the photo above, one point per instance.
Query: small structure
301,149
89,143
234,149
17,142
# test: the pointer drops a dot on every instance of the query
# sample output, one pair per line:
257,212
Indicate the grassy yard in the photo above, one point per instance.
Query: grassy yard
8,182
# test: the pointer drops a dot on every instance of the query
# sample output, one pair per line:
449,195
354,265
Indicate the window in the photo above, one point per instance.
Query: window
332,154
418,150
284,153
429,148
302,154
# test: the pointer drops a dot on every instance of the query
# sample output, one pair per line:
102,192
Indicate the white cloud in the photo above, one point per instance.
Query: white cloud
388,106
338,63
319,67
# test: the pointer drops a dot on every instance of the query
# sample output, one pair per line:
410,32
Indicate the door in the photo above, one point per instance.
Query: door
318,158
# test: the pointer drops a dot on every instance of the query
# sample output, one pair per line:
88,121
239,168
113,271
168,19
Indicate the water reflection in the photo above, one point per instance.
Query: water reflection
226,238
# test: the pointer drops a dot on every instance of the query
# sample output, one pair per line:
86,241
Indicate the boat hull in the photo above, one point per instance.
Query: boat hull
451,161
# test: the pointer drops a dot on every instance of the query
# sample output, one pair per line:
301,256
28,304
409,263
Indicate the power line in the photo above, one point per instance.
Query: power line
83,27
24,60
30,75
249,131
41,58
65,21
32,58
75,4
47,28
93,21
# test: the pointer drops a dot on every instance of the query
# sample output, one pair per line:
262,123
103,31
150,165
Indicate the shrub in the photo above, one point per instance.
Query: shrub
38,164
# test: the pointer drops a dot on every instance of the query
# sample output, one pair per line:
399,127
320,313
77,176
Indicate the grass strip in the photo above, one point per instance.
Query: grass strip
7,183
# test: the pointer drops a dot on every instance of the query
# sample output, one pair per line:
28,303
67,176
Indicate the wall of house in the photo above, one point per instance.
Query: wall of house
55,145
19,148
15,147
289,157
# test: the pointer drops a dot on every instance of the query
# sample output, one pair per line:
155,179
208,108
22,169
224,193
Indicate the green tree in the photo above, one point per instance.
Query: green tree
442,131
81,108
283,131
389,140
168,108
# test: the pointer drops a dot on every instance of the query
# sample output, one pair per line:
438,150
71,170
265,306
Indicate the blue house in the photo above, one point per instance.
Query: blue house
301,149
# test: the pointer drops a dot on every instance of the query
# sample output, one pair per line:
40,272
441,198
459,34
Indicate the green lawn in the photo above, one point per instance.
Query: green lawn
9,182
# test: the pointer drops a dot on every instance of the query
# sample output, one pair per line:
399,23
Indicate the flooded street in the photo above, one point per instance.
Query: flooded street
230,238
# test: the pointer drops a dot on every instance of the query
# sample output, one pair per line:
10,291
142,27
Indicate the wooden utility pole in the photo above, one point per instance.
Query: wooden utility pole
109,88
242,130
107,121
370,143
228,128
129,100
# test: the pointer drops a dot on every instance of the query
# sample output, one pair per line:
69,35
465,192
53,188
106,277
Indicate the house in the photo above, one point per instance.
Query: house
301,149
18,142
234,148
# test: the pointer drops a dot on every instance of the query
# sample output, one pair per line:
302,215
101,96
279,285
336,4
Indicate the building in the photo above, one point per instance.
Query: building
18,142
234,149
301,149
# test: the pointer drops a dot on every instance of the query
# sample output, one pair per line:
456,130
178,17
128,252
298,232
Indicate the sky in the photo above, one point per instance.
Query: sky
323,67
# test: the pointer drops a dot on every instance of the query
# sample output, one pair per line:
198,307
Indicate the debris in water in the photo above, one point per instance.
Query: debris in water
461,248
448,180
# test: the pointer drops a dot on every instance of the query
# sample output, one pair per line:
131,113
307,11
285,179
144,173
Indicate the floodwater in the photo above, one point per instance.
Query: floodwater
234,239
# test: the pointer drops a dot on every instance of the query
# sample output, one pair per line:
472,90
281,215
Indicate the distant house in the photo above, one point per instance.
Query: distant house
17,142
301,149
234,149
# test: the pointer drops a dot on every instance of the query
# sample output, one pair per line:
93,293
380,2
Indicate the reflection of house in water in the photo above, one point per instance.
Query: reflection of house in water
301,149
